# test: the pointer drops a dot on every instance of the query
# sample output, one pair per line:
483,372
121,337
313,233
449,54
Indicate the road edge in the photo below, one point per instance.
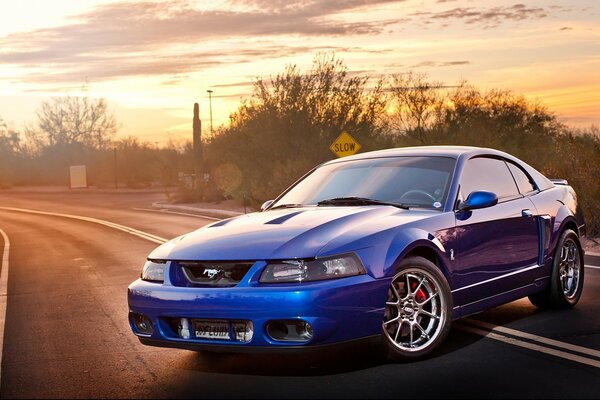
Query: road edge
210,211
3,293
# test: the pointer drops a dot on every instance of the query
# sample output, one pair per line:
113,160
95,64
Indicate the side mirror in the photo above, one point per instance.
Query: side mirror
479,199
266,205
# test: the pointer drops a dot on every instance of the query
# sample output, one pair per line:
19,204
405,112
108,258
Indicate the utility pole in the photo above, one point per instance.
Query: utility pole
210,108
197,133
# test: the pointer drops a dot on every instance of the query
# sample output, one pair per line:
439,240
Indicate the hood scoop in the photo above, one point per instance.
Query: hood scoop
221,223
282,219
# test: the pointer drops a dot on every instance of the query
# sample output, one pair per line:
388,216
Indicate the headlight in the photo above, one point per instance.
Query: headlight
313,270
154,271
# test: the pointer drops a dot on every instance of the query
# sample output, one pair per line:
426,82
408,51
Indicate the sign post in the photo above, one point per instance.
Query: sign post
344,145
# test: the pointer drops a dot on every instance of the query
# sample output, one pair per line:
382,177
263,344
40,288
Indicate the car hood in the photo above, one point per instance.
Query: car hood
285,234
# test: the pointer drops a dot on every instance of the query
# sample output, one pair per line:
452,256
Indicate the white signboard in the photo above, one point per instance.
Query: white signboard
78,177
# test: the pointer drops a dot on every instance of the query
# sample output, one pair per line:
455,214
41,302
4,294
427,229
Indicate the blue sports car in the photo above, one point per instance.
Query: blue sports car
391,245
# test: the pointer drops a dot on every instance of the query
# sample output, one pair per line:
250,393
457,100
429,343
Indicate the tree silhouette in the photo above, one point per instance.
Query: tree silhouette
287,125
68,120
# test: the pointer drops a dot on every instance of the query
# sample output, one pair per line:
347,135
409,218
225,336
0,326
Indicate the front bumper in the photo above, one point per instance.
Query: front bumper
337,310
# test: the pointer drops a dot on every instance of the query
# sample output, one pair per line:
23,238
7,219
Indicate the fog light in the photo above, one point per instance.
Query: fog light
142,324
308,331
290,330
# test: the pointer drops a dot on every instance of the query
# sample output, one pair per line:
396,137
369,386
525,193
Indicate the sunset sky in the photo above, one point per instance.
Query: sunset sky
153,60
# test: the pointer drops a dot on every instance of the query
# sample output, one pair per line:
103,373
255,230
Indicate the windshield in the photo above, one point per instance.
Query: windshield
412,181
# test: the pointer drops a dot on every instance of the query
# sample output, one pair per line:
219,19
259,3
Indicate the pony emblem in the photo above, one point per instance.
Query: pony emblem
212,272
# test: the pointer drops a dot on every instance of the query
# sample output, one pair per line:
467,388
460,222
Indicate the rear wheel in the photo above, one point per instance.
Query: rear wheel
566,282
418,310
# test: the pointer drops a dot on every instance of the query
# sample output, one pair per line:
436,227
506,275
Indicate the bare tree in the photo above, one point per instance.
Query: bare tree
418,104
68,120
9,139
9,152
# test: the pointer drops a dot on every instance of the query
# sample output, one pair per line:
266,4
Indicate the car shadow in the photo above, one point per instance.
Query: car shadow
323,362
509,313
501,315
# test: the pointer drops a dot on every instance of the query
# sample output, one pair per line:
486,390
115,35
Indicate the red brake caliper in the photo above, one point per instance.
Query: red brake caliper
420,295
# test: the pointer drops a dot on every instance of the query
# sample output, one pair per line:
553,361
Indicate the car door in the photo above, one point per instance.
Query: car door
497,247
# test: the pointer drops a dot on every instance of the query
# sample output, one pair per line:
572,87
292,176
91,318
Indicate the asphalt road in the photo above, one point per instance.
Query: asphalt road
66,331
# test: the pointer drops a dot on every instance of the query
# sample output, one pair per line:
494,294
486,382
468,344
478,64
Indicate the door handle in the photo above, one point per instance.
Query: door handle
526,213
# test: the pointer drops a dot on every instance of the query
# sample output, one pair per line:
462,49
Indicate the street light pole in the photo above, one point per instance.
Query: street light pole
210,109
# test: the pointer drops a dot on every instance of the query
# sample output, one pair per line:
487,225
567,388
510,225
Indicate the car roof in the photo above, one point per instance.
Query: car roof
456,152
440,151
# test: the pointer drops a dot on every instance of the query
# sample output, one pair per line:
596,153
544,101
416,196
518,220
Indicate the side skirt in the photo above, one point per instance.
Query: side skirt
500,298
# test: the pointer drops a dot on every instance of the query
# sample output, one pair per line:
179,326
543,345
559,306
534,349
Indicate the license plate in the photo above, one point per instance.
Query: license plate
211,329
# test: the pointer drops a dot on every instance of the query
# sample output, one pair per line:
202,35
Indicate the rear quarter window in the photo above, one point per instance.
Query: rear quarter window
524,182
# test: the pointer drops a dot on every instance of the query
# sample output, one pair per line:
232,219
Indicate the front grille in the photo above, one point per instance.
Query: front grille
210,274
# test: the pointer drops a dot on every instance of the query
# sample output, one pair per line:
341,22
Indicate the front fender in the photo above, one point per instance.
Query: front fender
381,257
412,240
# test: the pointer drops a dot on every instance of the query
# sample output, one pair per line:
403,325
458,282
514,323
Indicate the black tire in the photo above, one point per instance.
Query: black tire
566,280
540,299
418,310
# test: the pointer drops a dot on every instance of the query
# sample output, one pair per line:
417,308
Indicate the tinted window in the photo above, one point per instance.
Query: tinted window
417,181
488,174
523,181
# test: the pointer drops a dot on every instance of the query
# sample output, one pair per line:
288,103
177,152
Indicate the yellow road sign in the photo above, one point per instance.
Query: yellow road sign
344,145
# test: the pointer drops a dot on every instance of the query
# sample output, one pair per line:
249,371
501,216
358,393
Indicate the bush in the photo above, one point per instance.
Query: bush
287,125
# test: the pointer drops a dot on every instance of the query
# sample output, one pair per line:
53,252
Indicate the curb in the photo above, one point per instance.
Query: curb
212,211
592,253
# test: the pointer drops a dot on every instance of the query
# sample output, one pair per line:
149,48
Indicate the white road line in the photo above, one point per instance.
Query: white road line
530,346
593,266
147,236
535,338
179,213
3,292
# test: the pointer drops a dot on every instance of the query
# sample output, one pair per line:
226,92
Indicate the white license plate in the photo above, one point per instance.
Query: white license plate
211,329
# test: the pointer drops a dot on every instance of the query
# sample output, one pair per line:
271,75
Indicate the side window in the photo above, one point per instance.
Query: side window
523,181
488,174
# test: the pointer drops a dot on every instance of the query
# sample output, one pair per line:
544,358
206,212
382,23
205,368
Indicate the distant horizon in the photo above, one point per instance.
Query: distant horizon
153,60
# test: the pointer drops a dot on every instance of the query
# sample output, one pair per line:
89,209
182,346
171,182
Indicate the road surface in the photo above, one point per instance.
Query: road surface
66,332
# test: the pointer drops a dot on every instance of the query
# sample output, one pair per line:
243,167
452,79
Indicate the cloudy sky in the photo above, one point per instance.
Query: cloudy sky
153,59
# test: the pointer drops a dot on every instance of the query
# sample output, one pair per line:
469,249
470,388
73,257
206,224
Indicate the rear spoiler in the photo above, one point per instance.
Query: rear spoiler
562,182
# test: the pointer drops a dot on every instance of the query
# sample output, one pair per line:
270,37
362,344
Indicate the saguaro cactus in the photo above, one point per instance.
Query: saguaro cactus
197,132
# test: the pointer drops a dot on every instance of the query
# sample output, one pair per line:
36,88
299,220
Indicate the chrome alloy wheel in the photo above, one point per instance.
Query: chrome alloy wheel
415,310
569,268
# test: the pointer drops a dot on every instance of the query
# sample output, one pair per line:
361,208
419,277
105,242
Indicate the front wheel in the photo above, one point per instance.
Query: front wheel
566,281
418,310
